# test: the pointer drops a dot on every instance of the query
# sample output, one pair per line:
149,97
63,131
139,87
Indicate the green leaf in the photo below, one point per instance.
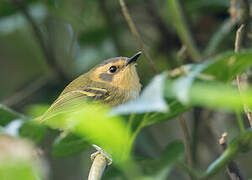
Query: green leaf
92,122
215,95
175,109
7,115
222,69
226,66
150,100
33,131
68,145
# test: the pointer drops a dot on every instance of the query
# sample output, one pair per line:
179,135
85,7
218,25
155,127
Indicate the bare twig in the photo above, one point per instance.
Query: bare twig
47,50
242,82
187,141
137,35
232,168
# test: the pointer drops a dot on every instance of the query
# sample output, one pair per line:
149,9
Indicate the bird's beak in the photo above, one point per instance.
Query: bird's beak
133,58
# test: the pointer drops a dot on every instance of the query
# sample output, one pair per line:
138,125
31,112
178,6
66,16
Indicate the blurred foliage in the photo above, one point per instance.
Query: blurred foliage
81,33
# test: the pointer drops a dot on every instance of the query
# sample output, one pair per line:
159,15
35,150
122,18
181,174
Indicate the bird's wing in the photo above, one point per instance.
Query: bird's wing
72,100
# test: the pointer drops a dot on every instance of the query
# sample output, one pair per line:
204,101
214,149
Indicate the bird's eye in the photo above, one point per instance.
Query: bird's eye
112,69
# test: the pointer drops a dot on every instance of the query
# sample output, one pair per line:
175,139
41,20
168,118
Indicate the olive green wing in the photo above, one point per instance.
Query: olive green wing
72,100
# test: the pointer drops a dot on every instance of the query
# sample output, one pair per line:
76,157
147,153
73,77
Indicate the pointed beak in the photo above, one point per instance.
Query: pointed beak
133,58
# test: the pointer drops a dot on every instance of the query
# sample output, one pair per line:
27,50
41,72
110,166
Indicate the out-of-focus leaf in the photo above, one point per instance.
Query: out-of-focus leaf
217,37
225,67
151,99
92,122
215,95
7,115
175,109
36,110
18,160
68,145
33,131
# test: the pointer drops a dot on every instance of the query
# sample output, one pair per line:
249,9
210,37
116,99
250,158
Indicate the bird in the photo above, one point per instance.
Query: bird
113,82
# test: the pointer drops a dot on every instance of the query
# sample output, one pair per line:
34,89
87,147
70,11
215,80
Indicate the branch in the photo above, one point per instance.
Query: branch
232,168
97,168
100,161
137,35
47,51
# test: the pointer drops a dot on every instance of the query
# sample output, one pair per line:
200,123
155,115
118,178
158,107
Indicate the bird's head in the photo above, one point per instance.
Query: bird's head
118,72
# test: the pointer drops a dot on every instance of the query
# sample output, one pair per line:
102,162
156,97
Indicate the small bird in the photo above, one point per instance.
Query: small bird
113,82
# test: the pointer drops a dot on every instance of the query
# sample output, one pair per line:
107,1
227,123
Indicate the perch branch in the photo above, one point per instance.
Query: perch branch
100,161
137,35
97,168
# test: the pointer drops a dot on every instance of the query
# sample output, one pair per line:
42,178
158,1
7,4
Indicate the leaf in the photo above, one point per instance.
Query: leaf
7,115
226,66
151,99
176,108
68,145
215,95
33,131
92,122
223,69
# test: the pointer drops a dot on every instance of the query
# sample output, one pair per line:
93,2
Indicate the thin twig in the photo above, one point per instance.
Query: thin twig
137,35
187,140
47,50
241,83
232,168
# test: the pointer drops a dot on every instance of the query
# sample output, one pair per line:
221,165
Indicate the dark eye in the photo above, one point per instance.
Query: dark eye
112,69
